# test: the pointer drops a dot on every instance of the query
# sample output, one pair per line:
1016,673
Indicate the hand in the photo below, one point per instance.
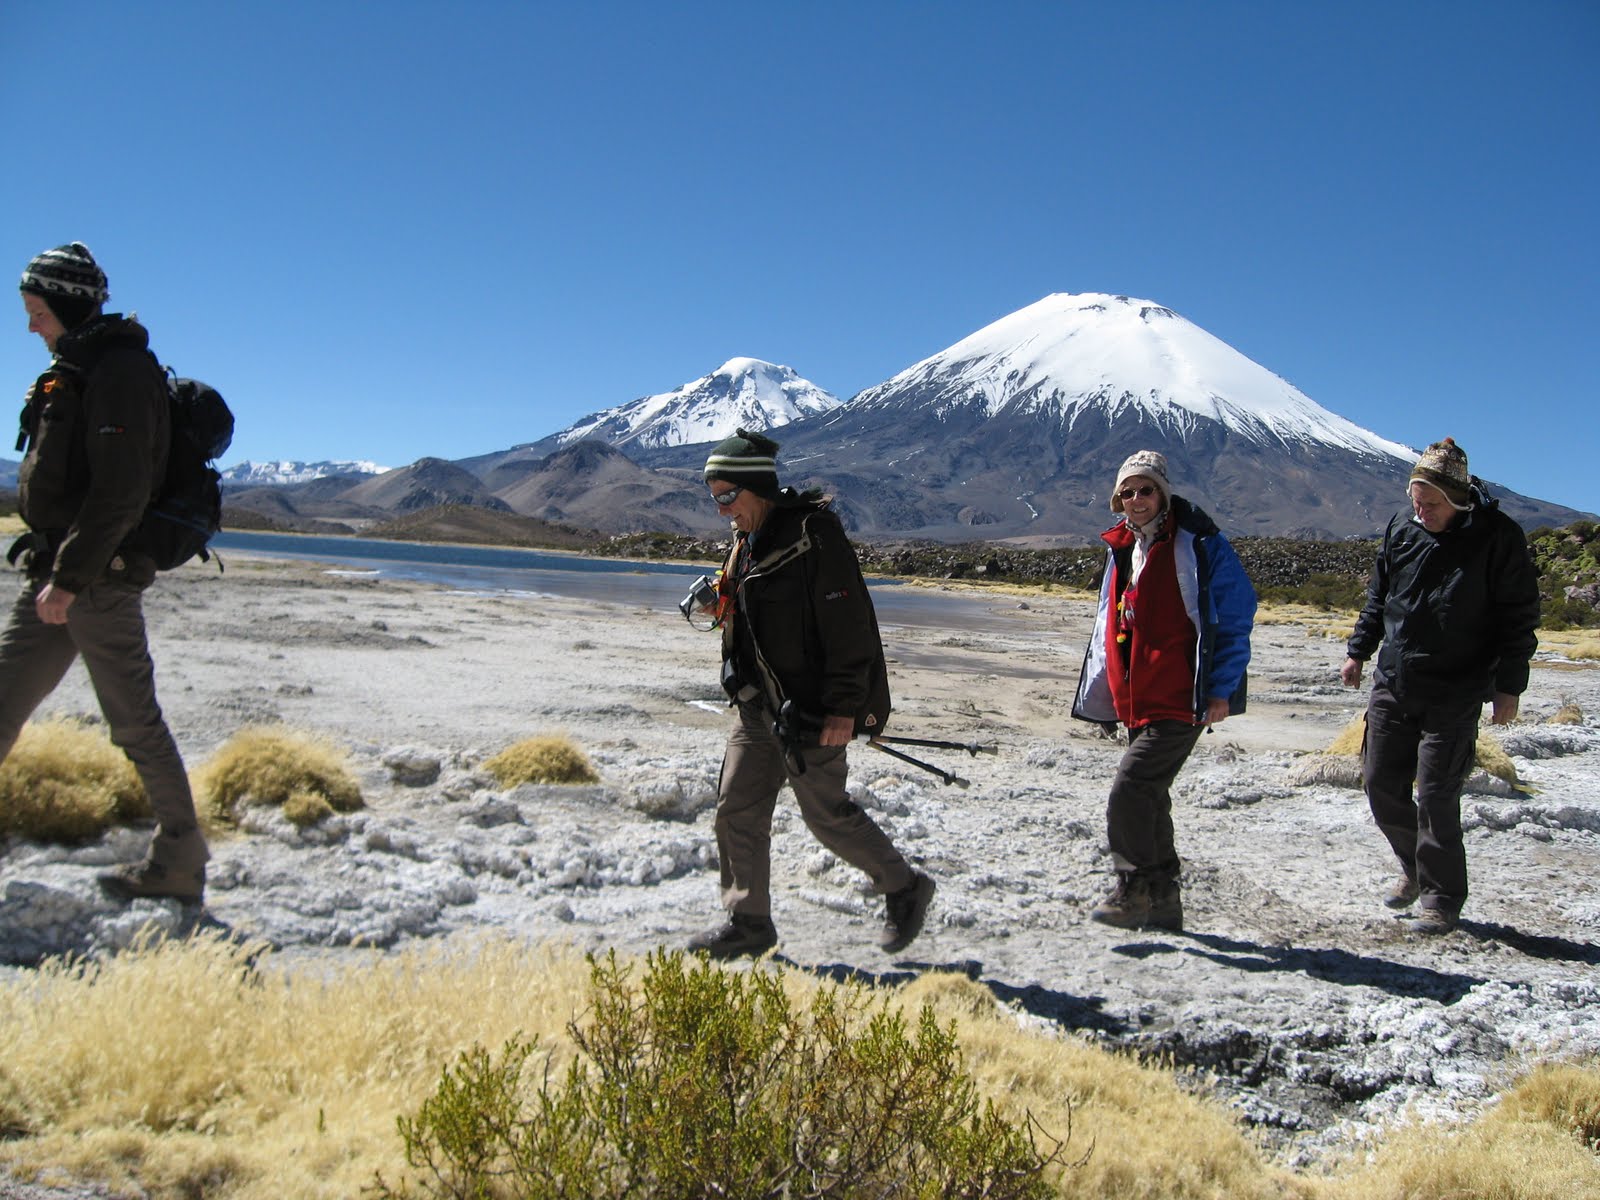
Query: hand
1216,710
1505,708
837,731
52,603
1351,672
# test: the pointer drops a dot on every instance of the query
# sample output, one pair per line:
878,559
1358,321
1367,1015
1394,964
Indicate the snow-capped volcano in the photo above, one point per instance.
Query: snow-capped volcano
1067,355
743,392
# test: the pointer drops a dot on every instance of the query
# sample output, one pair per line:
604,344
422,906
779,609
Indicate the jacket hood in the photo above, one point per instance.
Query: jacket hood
83,345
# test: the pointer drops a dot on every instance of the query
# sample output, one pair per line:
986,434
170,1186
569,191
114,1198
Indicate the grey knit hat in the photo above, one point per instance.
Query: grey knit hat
1152,464
69,281
748,459
1443,465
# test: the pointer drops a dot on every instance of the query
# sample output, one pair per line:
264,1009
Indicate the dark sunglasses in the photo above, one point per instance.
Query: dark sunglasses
726,498
1130,493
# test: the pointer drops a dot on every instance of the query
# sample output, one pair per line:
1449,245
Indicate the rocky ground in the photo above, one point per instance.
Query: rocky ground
1292,990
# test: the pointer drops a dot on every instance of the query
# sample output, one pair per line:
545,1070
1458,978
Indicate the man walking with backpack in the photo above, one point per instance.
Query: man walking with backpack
95,428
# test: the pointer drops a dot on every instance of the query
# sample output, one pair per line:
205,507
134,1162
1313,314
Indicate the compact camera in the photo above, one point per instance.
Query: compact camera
702,595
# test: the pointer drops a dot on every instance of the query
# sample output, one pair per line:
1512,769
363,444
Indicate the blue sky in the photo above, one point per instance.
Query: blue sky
390,230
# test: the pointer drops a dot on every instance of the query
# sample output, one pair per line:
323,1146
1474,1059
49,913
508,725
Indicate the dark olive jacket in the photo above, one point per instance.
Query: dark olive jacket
96,429
1455,612
803,627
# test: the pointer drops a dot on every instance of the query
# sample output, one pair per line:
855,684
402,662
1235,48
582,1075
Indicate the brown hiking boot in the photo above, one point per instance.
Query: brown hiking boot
1433,921
1166,906
1128,905
153,881
904,913
1402,893
744,936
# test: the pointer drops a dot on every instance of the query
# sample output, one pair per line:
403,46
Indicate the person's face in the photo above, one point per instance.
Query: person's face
1433,511
746,510
1144,504
42,321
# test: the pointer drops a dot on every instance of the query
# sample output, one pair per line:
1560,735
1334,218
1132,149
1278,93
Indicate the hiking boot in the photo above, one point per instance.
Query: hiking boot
744,936
153,881
1166,906
1128,905
1402,893
904,911
1431,921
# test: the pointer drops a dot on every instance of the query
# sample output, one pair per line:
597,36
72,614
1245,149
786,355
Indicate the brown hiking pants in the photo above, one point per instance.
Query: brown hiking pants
105,625
753,771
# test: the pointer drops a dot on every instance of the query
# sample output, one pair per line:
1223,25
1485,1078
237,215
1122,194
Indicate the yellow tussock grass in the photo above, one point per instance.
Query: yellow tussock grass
65,782
1489,755
306,775
185,1069
547,758
1568,714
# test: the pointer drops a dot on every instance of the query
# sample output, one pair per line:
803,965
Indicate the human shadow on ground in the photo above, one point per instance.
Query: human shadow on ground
1062,1008
1534,945
1330,964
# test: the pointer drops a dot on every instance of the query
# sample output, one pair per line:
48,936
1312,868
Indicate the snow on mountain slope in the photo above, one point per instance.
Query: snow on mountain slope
1067,354
743,392
273,474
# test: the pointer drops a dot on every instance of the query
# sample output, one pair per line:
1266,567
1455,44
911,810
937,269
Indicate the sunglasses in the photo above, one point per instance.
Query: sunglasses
726,498
1141,492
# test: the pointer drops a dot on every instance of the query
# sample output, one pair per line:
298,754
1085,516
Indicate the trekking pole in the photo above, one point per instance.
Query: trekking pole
949,777
972,748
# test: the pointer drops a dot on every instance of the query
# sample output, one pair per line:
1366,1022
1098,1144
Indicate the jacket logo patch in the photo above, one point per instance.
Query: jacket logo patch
113,429
839,595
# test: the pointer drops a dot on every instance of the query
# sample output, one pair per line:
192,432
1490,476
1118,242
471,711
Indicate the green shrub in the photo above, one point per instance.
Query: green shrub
543,759
65,782
304,775
703,1082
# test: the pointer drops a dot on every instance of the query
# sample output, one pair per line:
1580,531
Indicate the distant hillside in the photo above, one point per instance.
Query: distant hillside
469,525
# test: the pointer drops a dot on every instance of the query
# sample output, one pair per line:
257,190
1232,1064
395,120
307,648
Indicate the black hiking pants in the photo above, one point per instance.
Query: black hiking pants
1430,746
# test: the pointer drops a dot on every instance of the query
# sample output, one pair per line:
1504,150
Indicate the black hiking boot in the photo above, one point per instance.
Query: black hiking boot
153,881
1166,906
744,936
904,913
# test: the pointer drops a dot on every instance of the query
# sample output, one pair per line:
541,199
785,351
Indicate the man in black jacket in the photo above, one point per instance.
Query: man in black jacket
1454,602
803,662
95,428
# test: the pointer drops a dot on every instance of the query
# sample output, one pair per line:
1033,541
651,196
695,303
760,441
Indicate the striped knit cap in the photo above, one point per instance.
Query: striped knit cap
748,459
69,281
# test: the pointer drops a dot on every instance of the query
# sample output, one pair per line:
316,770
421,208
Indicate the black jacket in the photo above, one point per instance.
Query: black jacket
803,627
96,428
1455,611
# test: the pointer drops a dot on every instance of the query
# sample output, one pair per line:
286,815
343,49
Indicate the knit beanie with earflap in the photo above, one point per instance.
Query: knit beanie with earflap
1443,465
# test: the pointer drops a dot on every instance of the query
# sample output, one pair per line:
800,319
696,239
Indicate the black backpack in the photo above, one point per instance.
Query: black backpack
187,511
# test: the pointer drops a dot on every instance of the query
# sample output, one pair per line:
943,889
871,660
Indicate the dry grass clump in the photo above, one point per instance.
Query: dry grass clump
1587,649
1489,754
1568,714
1540,1141
543,759
66,782
305,775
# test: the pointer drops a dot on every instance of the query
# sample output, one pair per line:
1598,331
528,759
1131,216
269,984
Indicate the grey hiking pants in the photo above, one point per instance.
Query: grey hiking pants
1139,810
1431,746
753,771
105,624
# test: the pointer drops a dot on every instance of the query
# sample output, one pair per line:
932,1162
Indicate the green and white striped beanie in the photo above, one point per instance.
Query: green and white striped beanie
747,459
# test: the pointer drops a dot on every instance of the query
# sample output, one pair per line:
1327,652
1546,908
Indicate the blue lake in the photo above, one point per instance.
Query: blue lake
535,573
